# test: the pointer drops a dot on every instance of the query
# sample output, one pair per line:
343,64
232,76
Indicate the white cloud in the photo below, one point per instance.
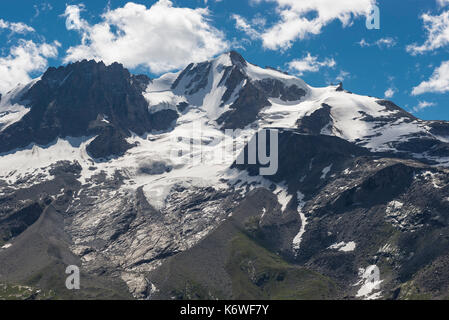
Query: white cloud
437,29
442,3
243,25
310,64
363,43
422,105
438,82
389,93
385,42
24,58
15,27
253,29
73,18
381,43
259,21
299,19
343,75
42,7
161,38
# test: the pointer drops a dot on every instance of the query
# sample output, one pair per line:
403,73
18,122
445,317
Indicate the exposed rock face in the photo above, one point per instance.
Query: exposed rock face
252,95
317,122
245,109
276,89
439,128
77,100
302,159
14,223
253,98
163,120
390,106
199,75
231,79
110,142
387,212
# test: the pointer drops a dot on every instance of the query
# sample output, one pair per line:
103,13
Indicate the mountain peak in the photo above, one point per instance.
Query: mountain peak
237,59
72,100
229,59
88,70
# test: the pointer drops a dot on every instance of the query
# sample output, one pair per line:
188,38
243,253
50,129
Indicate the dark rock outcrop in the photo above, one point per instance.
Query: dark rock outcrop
277,89
79,100
302,159
316,122
110,142
245,109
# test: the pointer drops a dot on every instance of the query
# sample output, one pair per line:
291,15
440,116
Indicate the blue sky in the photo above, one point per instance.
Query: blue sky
406,60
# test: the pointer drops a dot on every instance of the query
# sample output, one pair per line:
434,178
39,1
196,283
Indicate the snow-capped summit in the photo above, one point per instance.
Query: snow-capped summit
230,89
237,94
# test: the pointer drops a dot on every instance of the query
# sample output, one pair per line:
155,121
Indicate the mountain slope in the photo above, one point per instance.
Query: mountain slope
142,179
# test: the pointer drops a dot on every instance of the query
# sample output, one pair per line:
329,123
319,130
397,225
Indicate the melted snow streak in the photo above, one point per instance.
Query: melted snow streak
298,238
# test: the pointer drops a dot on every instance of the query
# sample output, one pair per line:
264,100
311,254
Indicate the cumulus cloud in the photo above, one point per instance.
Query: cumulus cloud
23,59
310,64
299,19
389,93
437,29
438,82
381,43
161,38
423,105
15,27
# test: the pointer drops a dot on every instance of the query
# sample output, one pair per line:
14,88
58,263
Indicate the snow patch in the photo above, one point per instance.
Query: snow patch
12,108
394,207
298,238
343,246
433,178
264,212
370,283
325,172
283,197
257,73
162,100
